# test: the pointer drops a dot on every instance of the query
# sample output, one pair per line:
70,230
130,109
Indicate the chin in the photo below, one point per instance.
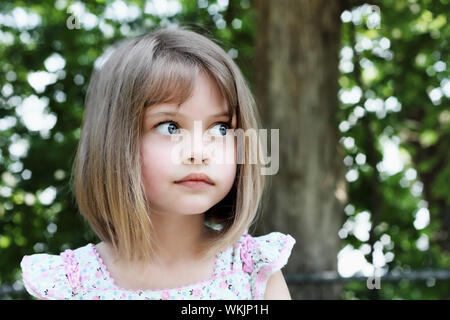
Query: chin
191,209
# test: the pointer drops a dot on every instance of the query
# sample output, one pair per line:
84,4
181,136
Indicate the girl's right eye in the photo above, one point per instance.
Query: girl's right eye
167,127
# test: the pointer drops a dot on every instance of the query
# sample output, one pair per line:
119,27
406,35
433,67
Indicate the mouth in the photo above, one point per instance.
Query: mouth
194,184
196,180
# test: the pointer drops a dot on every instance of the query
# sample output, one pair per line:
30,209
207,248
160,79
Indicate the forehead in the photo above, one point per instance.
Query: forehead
205,100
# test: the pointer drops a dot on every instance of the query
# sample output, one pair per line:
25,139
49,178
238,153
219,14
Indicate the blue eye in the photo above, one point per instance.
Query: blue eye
222,129
168,126
171,127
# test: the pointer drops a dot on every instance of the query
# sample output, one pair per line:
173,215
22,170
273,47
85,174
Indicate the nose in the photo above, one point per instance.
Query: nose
197,154
198,149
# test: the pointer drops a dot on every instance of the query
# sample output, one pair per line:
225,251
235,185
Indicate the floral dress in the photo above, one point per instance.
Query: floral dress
241,271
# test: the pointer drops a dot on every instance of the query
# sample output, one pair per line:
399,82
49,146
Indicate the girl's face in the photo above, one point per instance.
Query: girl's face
162,165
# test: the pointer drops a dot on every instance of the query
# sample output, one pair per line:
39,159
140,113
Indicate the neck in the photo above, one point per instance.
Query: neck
179,237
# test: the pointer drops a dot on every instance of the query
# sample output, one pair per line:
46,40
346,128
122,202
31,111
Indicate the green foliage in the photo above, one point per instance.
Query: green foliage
402,61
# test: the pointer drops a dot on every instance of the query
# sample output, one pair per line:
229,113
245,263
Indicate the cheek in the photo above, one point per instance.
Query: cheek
155,163
225,152
229,174
227,165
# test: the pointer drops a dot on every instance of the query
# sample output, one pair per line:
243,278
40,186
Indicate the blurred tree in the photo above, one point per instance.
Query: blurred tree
296,70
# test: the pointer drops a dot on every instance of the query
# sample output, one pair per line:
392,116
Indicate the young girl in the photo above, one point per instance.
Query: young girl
173,225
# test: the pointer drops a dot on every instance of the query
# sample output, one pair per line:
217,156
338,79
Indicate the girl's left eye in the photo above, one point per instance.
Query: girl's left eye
222,129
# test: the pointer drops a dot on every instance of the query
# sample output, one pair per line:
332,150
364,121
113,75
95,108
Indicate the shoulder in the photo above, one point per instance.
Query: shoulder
267,251
52,277
263,257
276,288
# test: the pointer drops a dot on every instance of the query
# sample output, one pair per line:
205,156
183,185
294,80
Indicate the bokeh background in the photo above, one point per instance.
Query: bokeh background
360,92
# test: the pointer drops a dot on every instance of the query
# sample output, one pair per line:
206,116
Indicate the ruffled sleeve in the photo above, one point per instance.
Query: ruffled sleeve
46,277
267,255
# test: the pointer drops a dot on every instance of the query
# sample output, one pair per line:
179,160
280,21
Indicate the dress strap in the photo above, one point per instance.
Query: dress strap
73,273
247,246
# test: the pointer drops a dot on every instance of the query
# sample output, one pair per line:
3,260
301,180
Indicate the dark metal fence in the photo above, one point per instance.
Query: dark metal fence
394,276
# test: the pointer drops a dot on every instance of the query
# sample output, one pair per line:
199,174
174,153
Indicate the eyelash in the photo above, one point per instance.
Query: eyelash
228,123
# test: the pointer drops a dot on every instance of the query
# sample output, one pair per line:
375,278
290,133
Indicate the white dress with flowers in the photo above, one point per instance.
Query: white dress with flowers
241,271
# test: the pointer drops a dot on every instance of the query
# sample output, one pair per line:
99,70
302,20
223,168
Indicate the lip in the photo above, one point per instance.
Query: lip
194,178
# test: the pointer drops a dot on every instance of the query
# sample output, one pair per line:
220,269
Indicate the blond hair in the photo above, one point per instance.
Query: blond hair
158,67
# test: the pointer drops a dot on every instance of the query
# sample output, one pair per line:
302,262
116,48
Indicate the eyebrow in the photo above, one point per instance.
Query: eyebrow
169,113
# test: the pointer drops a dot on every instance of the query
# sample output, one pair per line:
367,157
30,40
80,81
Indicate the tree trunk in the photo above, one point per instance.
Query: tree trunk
296,85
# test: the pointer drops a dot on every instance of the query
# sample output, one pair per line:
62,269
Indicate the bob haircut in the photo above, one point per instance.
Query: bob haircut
158,67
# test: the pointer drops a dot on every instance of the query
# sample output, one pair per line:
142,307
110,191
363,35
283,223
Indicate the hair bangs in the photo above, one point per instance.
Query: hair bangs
172,79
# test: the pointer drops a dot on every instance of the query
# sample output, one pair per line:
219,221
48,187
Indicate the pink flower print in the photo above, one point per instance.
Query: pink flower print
261,277
96,298
223,285
165,295
197,293
50,292
247,286
73,273
98,274
246,249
